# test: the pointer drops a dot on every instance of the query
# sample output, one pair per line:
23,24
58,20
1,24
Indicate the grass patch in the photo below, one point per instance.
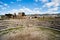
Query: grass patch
45,19
55,32
49,29
2,32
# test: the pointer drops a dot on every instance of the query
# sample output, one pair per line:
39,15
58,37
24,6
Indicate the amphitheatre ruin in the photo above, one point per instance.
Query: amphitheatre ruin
29,27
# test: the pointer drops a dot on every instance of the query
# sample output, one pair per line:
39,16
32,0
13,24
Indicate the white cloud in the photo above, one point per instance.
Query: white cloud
51,4
41,0
2,13
26,10
29,11
34,11
56,1
53,9
12,11
54,4
5,4
44,0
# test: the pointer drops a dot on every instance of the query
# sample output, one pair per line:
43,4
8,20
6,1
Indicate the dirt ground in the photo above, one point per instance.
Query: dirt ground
31,33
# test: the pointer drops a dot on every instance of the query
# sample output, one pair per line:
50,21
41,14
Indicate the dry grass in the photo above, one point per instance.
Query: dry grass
32,33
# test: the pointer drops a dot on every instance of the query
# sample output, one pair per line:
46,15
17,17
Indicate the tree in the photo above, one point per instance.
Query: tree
8,15
23,14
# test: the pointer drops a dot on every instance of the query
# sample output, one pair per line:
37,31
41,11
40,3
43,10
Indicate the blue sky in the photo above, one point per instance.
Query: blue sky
30,6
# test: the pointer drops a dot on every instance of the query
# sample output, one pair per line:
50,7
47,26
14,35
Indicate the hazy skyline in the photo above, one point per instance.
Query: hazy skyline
29,6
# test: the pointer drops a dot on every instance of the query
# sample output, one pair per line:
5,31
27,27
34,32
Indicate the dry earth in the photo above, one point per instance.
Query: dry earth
31,33
22,22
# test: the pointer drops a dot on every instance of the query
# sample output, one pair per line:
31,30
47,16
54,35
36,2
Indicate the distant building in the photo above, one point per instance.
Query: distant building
19,16
14,16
